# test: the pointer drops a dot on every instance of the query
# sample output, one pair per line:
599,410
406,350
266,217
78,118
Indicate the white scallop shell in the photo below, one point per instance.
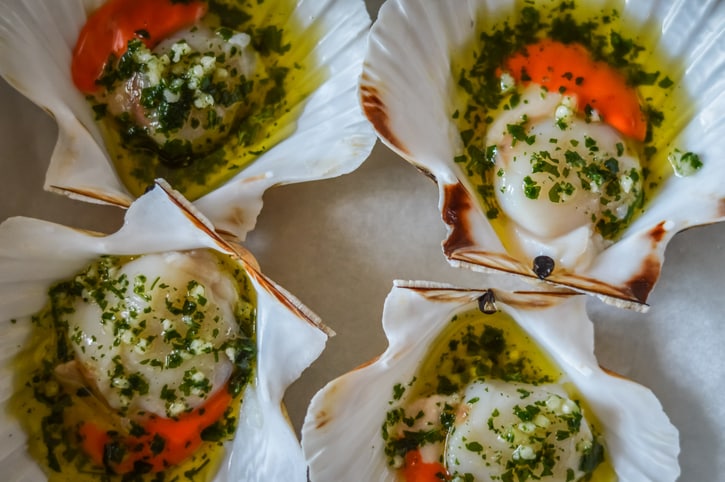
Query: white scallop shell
332,136
35,254
406,89
341,435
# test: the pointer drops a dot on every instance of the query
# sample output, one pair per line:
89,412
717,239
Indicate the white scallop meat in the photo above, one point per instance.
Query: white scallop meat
34,255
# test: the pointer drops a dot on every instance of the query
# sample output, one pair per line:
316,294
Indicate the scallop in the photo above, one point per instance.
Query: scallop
487,384
569,141
253,95
147,314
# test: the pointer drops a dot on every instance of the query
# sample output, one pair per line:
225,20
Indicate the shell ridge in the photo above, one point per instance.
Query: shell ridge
414,313
255,456
81,168
159,221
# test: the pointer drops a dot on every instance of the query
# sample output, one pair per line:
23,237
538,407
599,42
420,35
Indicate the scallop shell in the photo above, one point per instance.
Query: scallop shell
409,60
35,254
332,136
341,435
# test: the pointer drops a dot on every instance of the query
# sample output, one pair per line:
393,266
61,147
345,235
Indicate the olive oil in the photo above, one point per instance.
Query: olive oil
52,411
471,347
289,66
632,48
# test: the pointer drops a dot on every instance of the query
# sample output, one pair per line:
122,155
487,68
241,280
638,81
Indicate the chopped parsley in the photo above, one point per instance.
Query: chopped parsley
202,116
63,407
485,90
684,163
473,357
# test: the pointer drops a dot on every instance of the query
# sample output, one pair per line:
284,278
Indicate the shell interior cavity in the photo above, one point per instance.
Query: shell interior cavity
554,133
147,312
303,103
473,395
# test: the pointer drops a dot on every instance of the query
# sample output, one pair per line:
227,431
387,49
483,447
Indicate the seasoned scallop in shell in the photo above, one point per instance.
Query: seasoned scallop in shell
166,336
487,385
249,96
569,140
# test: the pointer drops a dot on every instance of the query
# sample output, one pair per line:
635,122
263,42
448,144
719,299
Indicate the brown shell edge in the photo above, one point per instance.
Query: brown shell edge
459,247
247,259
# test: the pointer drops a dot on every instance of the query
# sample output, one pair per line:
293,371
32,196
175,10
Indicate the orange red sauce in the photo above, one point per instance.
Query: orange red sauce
108,30
570,68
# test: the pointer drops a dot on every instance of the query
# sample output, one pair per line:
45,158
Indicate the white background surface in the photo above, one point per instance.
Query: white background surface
338,245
